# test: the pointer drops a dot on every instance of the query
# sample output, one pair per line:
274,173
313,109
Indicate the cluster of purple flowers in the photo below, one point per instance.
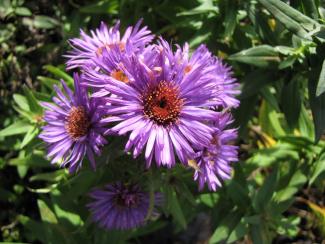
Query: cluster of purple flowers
173,105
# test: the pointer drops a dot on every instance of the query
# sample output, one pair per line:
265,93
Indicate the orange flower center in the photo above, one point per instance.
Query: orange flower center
120,75
77,124
188,69
121,46
162,103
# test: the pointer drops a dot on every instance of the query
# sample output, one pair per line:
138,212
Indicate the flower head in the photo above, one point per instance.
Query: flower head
120,206
214,161
165,108
88,48
73,127
225,86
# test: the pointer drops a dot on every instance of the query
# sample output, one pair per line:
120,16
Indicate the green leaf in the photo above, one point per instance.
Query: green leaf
318,169
292,19
148,228
23,11
45,22
265,193
255,81
34,105
43,190
270,121
19,127
21,102
45,232
101,7
306,126
239,232
260,233
66,210
55,176
226,226
277,208
291,101
230,19
296,182
30,135
310,8
59,73
321,81
261,56
207,6
48,82
270,98
209,199
317,105
35,160
46,213
174,207
238,194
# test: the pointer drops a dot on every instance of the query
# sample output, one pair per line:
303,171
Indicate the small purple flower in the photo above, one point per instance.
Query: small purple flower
87,49
121,206
164,106
73,126
214,161
225,88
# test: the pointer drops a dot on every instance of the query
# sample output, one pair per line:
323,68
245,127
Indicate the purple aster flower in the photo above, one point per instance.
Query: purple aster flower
109,64
164,106
73,127
120,206
87,49
225,85
214,161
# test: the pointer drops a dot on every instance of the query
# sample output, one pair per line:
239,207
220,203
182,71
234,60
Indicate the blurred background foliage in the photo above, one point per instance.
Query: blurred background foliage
277,50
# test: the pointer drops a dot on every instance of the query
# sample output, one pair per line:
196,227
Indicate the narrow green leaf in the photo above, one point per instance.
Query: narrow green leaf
270,98
44,190
73,218
269,120
30,135
277,7
306,126
321,81
317,105
291,101
239,232
226,226
266,191
21,101
55,176
238,194
289,17
230,20
19,127
33,103
101,7
206,7
296,182
260,233
175,207
310,8
59,73
46,213
34,160
318,169
261,56
48,82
